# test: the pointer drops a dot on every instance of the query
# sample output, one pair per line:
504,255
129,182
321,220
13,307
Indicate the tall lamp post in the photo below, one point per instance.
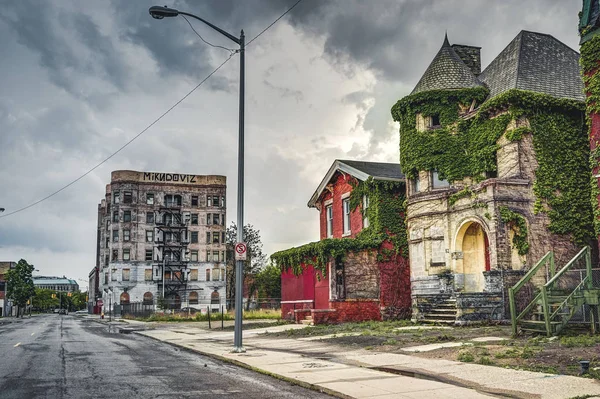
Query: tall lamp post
158,12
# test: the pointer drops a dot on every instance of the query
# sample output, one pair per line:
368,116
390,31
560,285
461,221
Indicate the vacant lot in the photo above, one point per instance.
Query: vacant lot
489,345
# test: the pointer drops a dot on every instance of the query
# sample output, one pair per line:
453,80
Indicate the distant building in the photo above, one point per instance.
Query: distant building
62,284
4,305
94,292
162,233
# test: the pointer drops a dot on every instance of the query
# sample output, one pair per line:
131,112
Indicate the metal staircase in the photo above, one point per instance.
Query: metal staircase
555,302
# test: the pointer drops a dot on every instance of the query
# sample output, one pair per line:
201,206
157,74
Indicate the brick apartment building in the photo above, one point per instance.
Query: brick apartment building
161,233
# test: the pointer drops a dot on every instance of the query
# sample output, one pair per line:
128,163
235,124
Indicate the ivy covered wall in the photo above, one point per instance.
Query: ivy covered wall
386,223
467,147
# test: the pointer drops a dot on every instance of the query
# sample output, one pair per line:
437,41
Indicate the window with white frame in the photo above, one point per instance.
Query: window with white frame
365,208
329,211
346,213
126,254
194,257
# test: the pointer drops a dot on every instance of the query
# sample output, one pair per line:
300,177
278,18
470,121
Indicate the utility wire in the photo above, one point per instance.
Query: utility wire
201,38
274,22
233,52
124,145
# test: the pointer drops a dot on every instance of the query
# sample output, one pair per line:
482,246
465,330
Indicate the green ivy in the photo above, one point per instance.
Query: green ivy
467,147
519,224
590,54
386,211
465,192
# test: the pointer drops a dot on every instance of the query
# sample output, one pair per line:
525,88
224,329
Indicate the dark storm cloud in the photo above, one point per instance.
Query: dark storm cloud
57,36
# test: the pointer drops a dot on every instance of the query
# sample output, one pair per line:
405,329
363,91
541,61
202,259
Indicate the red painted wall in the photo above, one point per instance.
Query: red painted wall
341,185
394,285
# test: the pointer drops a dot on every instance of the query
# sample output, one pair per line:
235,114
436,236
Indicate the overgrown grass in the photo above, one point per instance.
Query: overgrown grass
465,356
366,328
579,341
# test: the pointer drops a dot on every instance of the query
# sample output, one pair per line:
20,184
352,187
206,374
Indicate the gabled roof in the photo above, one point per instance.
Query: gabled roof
446,71
535,62
362,171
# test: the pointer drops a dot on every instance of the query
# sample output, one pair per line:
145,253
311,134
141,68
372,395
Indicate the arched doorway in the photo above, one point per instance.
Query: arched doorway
124,298
472,242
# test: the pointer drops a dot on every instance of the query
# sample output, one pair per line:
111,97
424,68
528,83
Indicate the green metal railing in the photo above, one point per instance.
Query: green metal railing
542,297
546,259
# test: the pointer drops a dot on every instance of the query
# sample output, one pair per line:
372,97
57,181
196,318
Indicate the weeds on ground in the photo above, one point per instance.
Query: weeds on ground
465,356
578,341
260,314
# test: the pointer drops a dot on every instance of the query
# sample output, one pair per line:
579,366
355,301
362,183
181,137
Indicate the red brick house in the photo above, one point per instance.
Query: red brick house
359,269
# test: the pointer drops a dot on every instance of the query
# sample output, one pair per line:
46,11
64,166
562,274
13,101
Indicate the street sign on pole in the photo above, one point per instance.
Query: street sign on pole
240,251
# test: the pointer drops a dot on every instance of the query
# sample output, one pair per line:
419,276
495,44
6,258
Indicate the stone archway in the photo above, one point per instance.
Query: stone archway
472,244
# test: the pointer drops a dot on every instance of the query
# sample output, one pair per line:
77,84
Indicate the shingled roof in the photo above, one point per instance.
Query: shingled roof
446,71
362,171
532,61
536,62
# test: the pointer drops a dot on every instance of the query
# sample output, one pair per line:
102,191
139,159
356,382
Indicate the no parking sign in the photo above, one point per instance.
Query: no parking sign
240,251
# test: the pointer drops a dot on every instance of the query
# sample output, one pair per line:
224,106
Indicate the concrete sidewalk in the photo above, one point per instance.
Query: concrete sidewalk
351,373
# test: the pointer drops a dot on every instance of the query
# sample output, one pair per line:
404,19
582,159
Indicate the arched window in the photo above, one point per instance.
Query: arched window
148,298
215,298
124,298
193,298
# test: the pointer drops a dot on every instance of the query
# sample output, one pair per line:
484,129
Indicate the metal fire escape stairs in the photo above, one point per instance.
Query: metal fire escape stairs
172,239
553,305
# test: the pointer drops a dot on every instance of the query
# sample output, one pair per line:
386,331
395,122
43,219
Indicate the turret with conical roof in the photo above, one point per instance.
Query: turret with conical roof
447,71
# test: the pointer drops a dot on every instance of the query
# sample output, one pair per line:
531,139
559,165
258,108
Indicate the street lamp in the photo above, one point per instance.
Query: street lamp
158,12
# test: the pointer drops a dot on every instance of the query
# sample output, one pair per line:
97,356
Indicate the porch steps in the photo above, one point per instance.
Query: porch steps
308,321
443,313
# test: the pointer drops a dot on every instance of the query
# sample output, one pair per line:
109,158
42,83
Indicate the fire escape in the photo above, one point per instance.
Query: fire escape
171,239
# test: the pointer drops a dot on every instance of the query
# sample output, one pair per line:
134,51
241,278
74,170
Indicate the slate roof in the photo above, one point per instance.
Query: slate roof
378,170
532,61
536,62
446,71
362,171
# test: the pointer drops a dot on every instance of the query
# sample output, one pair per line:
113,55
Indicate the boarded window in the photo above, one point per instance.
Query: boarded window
148,297
207,274
124,298
148,274
216,274
194,275
194,256
193,298
125,274
149,235
215,298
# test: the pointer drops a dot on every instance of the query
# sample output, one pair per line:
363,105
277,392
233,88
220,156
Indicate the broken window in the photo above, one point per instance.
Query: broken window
126,254
223,238
438,182
149,235
116,217
126,235
150,217
215,218
194,200
215,201
116,197
115,235
106,260
149,198
215,237
194,237
127,216
194,218
208,218
434,121
222,256
329,210
149,255
208,238
194,256
172,200
115,255
127,197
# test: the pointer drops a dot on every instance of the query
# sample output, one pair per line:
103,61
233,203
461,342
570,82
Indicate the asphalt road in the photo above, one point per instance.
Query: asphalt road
52,356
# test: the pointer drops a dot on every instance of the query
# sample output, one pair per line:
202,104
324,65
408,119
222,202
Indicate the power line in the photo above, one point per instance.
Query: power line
274,22
201,38
124,145
233,52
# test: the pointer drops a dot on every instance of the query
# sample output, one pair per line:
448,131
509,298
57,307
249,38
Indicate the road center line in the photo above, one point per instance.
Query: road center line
18,343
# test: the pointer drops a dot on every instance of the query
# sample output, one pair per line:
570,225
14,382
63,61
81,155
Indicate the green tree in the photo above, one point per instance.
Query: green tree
19,284
255,260
43,299
268,282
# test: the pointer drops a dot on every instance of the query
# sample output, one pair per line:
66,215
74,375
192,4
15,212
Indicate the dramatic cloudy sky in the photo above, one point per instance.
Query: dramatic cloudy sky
79,79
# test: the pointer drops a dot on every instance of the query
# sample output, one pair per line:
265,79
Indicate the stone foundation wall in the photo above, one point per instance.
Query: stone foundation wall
479,306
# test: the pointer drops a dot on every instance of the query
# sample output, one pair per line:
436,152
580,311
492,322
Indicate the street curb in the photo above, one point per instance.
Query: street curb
302,384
